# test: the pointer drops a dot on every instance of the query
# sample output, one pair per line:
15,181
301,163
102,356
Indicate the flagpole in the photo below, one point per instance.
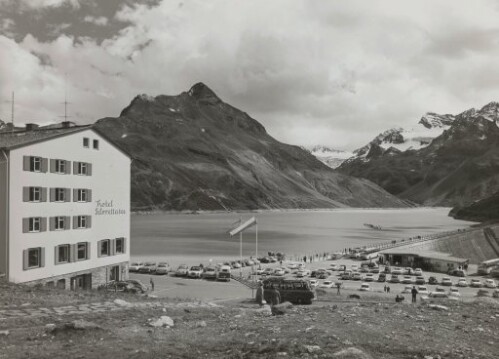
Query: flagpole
256,238
241,253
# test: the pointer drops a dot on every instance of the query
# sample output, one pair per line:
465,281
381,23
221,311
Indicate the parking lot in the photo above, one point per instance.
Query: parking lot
171,286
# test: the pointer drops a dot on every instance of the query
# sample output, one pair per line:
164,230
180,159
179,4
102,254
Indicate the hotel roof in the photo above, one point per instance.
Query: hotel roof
17,139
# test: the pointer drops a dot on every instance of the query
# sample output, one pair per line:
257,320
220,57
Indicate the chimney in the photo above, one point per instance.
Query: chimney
31,126
65,124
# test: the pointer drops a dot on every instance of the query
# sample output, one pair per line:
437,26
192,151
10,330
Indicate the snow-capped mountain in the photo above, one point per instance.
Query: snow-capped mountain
453,161
431,125
330,156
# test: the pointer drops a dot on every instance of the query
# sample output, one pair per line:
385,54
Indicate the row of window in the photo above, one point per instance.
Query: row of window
86,143
57,223
69,253
39,194
59,166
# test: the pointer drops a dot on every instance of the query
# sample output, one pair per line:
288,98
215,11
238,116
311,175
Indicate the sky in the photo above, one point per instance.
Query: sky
313,72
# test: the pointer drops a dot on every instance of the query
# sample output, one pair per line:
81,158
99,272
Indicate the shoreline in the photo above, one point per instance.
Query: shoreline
288,210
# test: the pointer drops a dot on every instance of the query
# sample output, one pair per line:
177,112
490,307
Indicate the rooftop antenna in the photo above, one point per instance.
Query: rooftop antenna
65,99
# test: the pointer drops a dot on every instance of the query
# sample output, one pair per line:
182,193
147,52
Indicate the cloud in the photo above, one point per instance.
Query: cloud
100,20
335,73
42,4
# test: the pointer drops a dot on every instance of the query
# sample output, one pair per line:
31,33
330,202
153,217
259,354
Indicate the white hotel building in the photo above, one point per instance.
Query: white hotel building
64,207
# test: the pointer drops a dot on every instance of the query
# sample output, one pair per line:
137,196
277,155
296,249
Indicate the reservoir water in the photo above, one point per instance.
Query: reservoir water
196,238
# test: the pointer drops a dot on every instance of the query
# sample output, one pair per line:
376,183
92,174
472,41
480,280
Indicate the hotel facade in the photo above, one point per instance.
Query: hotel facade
64,208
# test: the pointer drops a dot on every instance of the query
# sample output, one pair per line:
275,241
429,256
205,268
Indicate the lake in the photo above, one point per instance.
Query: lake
195,238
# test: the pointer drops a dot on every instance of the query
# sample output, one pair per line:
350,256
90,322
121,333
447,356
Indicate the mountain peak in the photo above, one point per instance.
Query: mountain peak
202,92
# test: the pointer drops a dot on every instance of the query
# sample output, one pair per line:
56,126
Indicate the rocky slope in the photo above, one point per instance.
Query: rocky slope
486,209
455,168
193,151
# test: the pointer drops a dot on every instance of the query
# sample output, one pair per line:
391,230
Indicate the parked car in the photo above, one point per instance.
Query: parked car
223,273
365,287
407,289
408,271
354,267
490,283
195,272
327,284
438,293
293,265
418,272
394,278
476,283
423,291
446,281
396,271
279,272
342,267
313,282
457,273
364,269
346,275
209,273
323,275
374,270
382,277
407,280
420,280
369,277
162,268
182,270
462,282
135,266
334,266
454,292
268,271
356,276
148,267
235,265
249,262
432,280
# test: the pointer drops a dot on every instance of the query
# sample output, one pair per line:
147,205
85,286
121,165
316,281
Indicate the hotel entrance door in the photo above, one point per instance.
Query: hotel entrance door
83,281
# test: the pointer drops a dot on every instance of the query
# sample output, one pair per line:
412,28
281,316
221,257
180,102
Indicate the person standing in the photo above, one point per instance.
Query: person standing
259,294
414,292
151,281
338,286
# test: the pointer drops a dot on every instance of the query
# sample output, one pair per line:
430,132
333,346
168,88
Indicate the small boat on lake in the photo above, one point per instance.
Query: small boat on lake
373,226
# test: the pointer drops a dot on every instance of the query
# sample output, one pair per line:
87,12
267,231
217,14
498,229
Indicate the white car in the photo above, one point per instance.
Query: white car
423,291
439,293
369,277
135,266
476,283
490,283
162,268
407,280
327,284
182,270
365,287
354,267
418,272
462,283
195,272
279,272
313,283
446,281
334,266
397,271
407,289
454,292
293,265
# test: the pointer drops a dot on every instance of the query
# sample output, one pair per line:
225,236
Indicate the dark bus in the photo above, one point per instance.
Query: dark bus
296,291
